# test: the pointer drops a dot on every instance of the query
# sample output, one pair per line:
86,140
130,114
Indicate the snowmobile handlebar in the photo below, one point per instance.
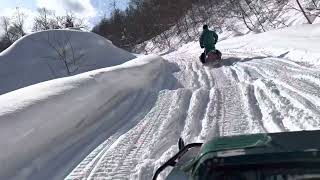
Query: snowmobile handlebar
172,161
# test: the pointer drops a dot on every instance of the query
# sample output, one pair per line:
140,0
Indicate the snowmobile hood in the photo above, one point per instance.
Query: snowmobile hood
235,142
285,154
272,150
264,143
228,145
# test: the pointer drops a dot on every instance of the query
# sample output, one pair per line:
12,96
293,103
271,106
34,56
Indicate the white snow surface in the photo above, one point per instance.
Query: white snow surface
298,43
123,122
42,121
257,88
33,58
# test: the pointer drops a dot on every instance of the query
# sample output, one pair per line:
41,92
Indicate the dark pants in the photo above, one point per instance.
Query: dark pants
203,57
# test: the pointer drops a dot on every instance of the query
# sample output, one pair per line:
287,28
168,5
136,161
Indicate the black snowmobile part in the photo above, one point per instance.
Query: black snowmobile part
180,143
172,161
203,57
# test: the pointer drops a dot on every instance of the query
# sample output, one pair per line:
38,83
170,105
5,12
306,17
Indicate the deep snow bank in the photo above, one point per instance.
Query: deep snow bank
298,43
39,57
40,121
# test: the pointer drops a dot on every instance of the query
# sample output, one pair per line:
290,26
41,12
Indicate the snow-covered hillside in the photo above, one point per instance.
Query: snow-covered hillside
41,56
123,122
299,44
272,15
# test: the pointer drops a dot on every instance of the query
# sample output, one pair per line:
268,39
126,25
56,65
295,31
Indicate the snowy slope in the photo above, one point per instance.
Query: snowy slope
44,127
123,122
273,16
34,58
299,43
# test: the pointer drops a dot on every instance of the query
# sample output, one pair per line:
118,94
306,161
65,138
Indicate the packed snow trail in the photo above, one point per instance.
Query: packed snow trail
247,94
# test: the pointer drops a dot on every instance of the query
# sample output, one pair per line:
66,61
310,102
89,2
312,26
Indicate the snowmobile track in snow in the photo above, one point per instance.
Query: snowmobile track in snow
248,93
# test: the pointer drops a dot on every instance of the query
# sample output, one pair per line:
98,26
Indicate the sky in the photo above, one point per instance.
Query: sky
90,10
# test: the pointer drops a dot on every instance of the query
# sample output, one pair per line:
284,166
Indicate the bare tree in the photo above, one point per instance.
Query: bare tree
5,24
113,5
69,21
314,3
5,39
44,20
13,29
18,23
303,12
64,51
47,19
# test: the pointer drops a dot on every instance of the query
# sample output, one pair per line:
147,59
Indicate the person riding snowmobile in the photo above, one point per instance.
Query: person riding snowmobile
208,39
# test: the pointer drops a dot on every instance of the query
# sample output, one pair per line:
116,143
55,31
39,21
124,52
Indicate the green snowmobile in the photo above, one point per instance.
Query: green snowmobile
273,156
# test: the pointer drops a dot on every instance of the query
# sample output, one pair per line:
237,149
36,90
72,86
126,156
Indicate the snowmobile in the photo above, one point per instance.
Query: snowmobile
213,56
272,156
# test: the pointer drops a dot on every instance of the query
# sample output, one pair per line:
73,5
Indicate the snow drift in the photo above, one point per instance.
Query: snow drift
45,55
40,121
298,43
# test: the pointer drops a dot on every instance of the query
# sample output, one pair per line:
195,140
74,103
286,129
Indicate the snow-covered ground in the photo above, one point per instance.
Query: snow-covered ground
299,43
124,121
39,57
256,89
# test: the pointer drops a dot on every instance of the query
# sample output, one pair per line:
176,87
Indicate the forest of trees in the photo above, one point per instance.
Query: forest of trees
142,20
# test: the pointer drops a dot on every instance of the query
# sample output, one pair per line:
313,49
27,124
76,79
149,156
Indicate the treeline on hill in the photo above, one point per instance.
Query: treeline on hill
141,21
145,19
13,27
